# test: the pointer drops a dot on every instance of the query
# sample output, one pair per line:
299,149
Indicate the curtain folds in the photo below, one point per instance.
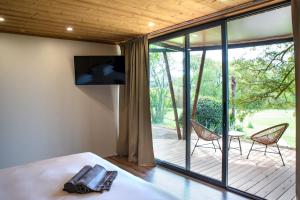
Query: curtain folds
295,4
135,136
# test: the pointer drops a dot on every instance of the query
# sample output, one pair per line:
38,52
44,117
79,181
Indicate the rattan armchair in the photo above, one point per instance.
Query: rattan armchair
205,134
269,136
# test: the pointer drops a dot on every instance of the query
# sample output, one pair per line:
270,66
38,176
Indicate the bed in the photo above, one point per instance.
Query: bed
44,180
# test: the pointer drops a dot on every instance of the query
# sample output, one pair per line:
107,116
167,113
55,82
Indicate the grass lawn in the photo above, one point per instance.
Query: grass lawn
268,118
259,121
169,120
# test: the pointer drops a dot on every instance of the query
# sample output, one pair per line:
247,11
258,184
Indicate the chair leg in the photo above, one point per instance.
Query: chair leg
219,146
214,145
280,154
195,147
266,149
240,145
229,143
250,150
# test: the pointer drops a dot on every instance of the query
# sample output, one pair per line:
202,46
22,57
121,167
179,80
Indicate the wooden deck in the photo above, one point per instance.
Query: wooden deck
261,175
182,187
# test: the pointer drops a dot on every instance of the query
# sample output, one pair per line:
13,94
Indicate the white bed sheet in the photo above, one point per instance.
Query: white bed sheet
43,180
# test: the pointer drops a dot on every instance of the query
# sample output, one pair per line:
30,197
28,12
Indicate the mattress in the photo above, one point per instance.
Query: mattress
43,180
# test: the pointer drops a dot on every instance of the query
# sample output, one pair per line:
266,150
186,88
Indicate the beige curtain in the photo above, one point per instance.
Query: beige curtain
135,137
296,32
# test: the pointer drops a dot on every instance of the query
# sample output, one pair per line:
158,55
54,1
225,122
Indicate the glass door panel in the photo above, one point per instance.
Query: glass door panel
166,60
206,102
191,87
262,97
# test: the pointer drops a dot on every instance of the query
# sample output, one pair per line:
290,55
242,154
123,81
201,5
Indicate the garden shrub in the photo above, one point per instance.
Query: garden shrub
159,104
250,125
238,127
209,114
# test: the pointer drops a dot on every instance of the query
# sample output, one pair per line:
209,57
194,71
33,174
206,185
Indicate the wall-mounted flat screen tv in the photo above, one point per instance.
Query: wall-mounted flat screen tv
99,70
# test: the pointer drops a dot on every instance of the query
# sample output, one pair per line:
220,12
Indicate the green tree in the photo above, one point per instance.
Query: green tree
266,81
158,88
211,84
209,114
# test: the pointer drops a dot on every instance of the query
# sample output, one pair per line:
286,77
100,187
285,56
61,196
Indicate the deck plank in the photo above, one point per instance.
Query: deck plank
282,188
261,175
276,182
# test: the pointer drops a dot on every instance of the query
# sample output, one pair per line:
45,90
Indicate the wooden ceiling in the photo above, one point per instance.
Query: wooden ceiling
109,21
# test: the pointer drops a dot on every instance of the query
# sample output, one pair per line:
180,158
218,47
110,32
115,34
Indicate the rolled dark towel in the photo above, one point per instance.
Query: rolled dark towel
91,179
70,186
82,189
106,184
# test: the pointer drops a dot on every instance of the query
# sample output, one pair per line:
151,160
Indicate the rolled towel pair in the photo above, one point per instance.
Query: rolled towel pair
91,179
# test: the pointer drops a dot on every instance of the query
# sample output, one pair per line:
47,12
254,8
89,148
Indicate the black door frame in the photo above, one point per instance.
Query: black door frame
186,90
225,88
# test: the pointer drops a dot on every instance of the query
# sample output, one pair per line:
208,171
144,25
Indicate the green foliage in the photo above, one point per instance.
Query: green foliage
250,125
242,114
158,104
238,127
158,88
209,106
209,114
231,120
211,84
266,81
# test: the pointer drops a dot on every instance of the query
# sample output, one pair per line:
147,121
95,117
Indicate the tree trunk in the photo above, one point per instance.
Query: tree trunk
172,95
194,111
197,92
233,92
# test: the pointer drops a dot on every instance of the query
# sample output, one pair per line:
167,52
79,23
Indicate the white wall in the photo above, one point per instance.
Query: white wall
42,113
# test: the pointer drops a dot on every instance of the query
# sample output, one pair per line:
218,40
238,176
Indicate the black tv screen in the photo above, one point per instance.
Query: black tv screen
99,70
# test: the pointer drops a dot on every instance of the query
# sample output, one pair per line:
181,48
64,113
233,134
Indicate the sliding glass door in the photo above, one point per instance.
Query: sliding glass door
206,102
186,90
223,103
262,105
166,59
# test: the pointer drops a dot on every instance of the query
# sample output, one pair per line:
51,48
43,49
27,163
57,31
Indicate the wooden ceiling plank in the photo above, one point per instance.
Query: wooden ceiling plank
106,8
59,25
80,34
113,19
110,20
37,31
135,9
68,16
42,18
57,36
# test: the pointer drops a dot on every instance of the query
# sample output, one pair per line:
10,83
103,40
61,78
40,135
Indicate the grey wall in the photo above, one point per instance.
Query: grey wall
42,113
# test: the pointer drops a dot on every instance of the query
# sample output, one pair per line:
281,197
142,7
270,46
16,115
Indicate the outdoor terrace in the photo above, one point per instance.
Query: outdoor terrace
264,176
